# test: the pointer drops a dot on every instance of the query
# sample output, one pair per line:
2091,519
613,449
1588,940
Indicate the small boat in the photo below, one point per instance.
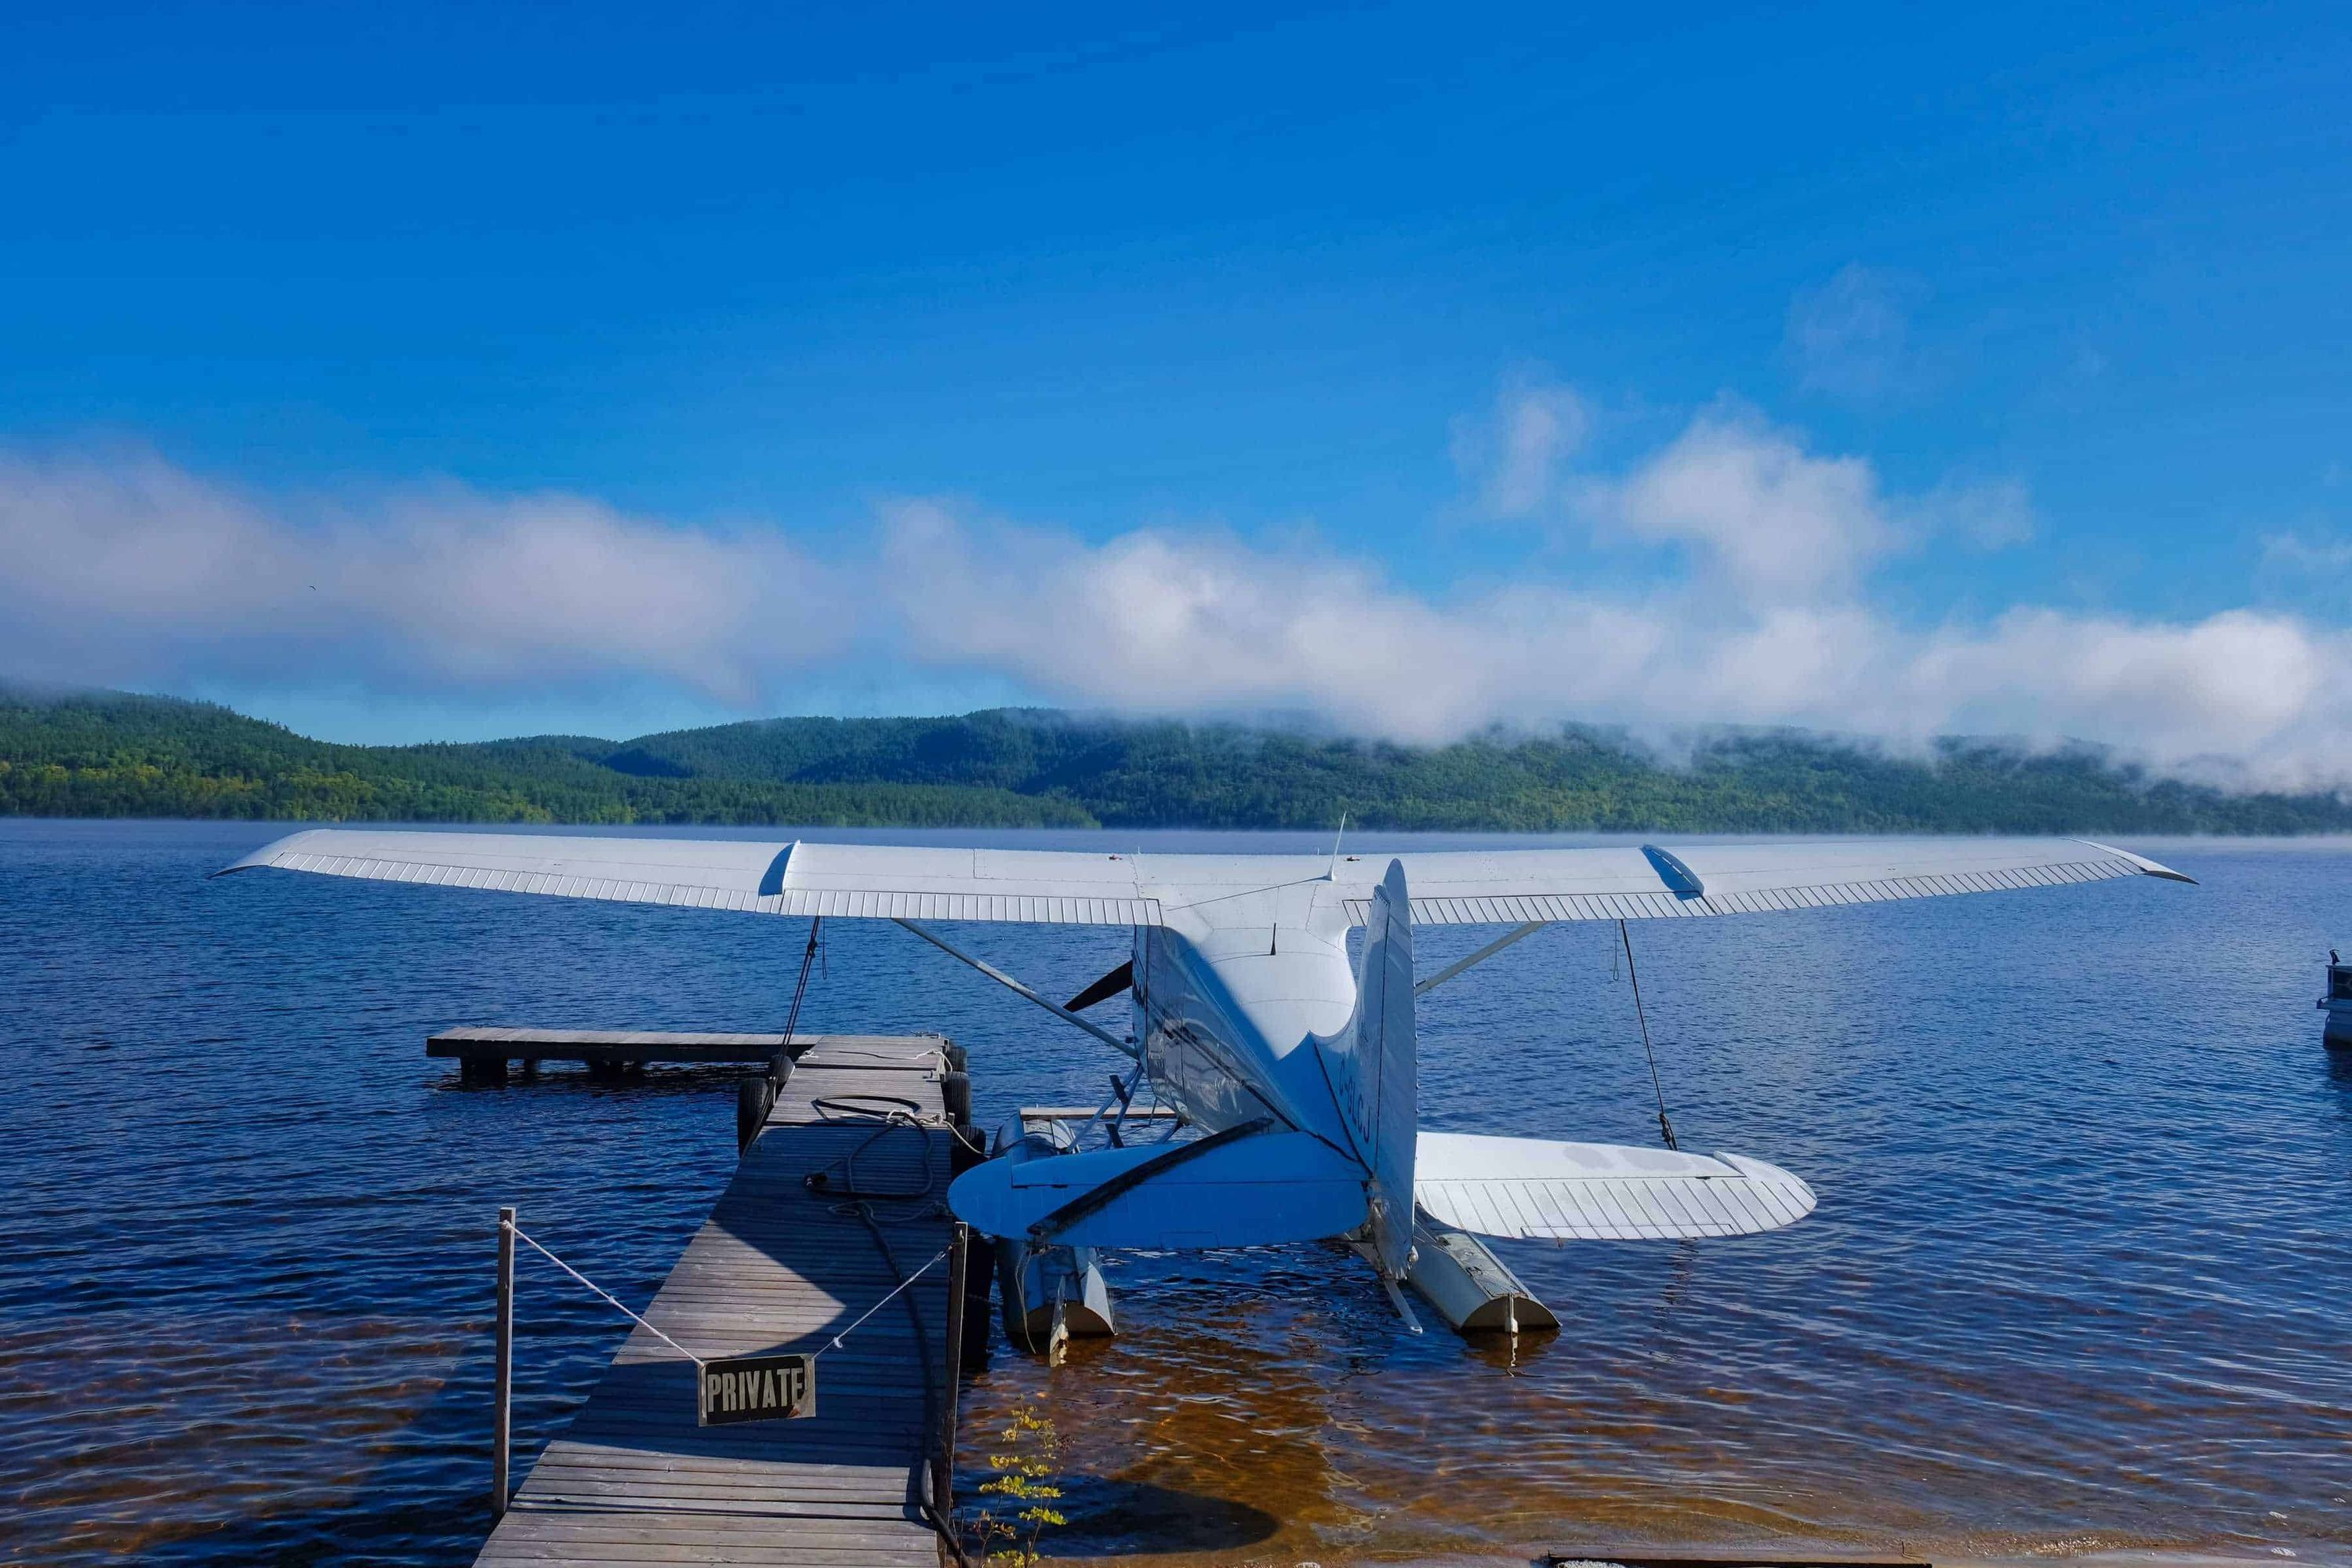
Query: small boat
2337,1004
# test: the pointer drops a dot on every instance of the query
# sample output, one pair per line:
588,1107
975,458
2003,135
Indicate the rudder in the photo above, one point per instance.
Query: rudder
1374,1068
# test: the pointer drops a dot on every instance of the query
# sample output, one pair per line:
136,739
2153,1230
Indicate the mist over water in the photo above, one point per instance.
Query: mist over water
2079,1278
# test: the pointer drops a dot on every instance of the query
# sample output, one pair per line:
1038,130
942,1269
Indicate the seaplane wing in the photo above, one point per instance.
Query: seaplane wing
873,881
1517,887
1600,1192
1070,887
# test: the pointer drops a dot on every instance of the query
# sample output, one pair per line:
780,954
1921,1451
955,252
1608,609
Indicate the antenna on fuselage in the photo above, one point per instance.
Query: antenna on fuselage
1336,839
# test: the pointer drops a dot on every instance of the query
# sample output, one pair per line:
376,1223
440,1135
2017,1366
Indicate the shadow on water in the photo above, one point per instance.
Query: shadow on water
1113,1517
557,1081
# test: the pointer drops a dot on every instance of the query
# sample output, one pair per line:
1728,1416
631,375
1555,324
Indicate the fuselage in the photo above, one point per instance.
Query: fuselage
1228,1001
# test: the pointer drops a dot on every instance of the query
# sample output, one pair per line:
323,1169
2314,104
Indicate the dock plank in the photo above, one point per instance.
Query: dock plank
778,1266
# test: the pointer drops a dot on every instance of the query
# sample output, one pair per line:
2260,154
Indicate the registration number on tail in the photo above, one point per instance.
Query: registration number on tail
756,1388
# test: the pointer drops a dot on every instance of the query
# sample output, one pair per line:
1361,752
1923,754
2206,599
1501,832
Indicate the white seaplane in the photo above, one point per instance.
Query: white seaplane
1249,1020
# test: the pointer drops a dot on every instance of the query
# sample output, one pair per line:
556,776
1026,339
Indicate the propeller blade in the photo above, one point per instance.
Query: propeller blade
1103,990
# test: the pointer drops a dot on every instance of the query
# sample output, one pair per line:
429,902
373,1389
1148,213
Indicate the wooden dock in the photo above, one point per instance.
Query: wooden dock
781,1268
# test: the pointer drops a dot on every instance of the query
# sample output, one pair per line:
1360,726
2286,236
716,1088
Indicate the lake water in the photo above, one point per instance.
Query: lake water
2079,1280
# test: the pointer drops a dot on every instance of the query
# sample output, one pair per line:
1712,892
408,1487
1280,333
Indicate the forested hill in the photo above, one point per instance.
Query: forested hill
108,754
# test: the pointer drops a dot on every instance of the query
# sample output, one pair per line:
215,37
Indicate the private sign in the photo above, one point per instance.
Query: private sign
756,1388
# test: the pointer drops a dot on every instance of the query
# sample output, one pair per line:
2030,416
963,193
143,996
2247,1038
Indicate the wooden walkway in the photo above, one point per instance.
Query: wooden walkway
779,1268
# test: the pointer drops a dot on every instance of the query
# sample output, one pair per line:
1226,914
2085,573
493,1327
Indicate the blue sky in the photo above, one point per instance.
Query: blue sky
1564,324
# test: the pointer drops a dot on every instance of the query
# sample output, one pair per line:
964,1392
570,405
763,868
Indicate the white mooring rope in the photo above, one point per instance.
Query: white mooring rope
606,1294
886,1301
833,1344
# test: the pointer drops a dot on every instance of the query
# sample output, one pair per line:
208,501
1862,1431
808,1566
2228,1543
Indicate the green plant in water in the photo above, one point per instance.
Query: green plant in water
1023,1474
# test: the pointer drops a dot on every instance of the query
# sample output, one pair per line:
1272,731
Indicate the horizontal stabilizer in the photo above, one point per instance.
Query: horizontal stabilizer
1247,1191
1600,1192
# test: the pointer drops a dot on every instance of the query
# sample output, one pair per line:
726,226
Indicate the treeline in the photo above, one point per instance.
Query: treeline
110,754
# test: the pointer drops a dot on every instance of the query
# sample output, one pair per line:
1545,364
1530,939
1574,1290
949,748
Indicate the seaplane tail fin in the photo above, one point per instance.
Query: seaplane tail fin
1600,1192
1374,1069
1246,1186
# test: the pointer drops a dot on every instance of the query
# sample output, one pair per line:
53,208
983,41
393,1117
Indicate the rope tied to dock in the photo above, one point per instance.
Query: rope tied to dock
886,1113
834,1343
896,1113
523,1236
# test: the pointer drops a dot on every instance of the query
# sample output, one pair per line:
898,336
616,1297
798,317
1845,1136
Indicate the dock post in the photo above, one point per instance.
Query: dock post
943,1461
501,1427
975,1260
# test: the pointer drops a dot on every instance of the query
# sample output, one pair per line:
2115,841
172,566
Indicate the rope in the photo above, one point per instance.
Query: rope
935,1054
1665,1128
833,1344
910,1280
842,1107
607,1295
901,1112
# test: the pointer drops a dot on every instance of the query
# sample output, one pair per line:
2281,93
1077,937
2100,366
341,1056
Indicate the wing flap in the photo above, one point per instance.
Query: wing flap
1527,1187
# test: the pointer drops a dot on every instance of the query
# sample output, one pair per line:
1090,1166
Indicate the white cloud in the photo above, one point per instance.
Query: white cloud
129,570
2311,558
1515,455
1851,337
1157,622
125,568
2308,571
1989,514
2241,696
1774,524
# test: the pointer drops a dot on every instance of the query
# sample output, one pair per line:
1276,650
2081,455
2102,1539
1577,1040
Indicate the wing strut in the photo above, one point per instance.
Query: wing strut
1096,1030
1665,1128
800,990
1404,1308
1481,956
